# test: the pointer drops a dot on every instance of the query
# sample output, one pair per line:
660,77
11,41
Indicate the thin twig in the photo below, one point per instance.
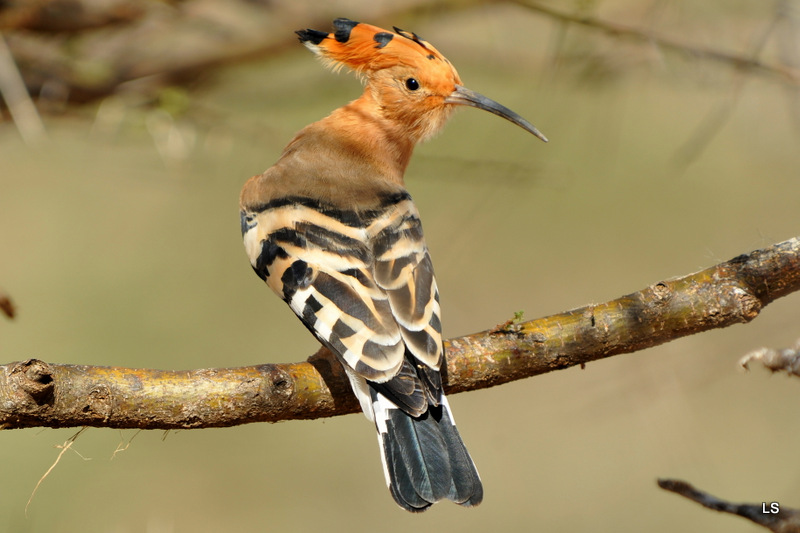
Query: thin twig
64,447
16,96
708,129
783,73
769,514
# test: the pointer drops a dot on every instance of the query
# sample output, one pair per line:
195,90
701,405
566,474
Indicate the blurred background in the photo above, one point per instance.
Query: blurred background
675,134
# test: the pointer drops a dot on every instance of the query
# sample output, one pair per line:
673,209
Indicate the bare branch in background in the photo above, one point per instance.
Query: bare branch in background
121,45
784,360
783,73
743,65
771,515
707,130
17,99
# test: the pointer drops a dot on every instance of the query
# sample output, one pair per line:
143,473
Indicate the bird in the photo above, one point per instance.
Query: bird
332,230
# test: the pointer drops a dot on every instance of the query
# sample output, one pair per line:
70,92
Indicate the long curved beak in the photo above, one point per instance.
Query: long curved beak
464,96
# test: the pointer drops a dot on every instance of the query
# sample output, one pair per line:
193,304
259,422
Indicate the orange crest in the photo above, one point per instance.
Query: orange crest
365,48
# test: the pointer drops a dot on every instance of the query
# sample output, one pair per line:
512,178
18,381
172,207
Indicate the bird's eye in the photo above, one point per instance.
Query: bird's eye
412,84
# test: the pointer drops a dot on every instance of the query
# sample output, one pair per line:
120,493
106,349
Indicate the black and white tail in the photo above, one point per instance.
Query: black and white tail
424,459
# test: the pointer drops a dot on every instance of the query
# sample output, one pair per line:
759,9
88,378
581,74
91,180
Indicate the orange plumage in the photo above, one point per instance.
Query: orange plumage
365,48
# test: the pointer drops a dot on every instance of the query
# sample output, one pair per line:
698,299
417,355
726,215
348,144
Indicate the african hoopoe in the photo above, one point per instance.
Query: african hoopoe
333,231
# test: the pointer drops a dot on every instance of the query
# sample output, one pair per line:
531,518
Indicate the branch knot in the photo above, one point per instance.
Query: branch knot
33,379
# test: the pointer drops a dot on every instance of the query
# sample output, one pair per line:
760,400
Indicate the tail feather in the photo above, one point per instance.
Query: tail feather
466,489
424,457
398,477
419,445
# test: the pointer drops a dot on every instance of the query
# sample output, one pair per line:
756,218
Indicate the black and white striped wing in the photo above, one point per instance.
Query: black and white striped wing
403,269
318,260
362,283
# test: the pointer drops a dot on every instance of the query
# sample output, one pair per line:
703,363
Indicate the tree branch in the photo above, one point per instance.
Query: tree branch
770,515
784,73
34,393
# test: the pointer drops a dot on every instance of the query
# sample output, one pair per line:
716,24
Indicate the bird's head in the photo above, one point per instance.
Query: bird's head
408,79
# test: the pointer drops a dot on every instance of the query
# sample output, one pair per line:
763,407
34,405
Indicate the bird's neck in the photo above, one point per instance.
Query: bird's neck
384,143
